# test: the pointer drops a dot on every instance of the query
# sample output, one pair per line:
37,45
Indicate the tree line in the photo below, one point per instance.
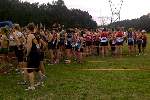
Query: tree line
24,12
140,23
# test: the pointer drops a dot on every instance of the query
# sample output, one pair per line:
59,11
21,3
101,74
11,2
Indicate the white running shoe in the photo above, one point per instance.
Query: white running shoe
30,88
39,84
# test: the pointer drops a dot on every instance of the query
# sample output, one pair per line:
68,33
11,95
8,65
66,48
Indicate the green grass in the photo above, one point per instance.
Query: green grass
69,82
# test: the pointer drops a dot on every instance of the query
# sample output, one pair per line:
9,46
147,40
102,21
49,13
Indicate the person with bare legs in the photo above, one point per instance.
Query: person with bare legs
144,42
88,40
4,41
119,42
104,42
139,42
79,47
68,45
33,57
130,36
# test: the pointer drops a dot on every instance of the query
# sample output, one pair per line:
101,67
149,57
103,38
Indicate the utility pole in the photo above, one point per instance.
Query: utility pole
115,11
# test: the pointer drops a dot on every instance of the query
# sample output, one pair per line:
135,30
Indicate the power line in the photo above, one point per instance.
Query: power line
115,12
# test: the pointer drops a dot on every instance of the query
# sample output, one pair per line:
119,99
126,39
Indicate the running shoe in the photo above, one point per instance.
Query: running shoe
30,88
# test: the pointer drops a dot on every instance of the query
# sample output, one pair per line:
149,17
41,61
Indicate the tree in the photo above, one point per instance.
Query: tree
47,14
140,23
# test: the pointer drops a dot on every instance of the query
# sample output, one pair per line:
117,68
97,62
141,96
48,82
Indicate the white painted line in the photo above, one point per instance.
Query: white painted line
29,68
96,61
115,69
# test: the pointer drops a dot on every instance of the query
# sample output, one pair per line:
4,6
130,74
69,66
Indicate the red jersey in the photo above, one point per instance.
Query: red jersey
104,34
94,37
144,38
88,37
119,34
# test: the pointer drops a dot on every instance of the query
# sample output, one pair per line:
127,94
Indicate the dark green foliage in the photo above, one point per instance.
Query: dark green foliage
139,23
48,14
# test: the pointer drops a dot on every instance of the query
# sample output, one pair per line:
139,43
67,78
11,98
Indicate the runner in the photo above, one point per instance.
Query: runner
78,46
4,41
96,43
112,43
119,42
52,46
144,42
20,42
93,36
33,56
130,36
88,39
104,42
135,41
42,43
12,45
68,45
139,42
83,33
62,44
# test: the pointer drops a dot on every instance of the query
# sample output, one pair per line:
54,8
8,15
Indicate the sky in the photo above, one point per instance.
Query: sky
100,8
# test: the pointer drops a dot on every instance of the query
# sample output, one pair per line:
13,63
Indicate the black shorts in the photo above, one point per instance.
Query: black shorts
81,49
139,42
51,45
16,51
68,45
144,44
41,56
113,48
119,43
12,48
61,42
135,41
88,43
96,43
130,42
20,56
104,43
33,62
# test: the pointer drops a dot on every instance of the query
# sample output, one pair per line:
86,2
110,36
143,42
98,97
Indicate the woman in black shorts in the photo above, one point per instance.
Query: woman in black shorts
139,42
19,48
130,37
33,56
53,47
78,45
104,42
68,45
119,42
144,42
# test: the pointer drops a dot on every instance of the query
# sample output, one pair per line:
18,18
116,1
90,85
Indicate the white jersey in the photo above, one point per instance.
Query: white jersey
12,41
19,34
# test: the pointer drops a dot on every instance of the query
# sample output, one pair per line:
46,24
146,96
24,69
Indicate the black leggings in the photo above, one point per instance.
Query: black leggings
139,42
139,47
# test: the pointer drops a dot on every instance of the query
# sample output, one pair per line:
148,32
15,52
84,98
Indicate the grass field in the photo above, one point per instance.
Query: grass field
75,82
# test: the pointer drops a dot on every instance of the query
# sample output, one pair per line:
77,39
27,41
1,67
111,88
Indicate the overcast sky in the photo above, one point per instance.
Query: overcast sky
130,9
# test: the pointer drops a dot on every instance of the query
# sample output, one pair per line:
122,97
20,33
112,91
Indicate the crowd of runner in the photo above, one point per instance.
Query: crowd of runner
31,45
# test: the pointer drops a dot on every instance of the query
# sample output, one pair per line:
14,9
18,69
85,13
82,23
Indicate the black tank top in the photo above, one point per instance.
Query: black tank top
34,47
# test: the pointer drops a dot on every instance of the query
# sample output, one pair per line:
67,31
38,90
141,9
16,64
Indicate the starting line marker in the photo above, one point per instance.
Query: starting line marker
115,69
96,61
